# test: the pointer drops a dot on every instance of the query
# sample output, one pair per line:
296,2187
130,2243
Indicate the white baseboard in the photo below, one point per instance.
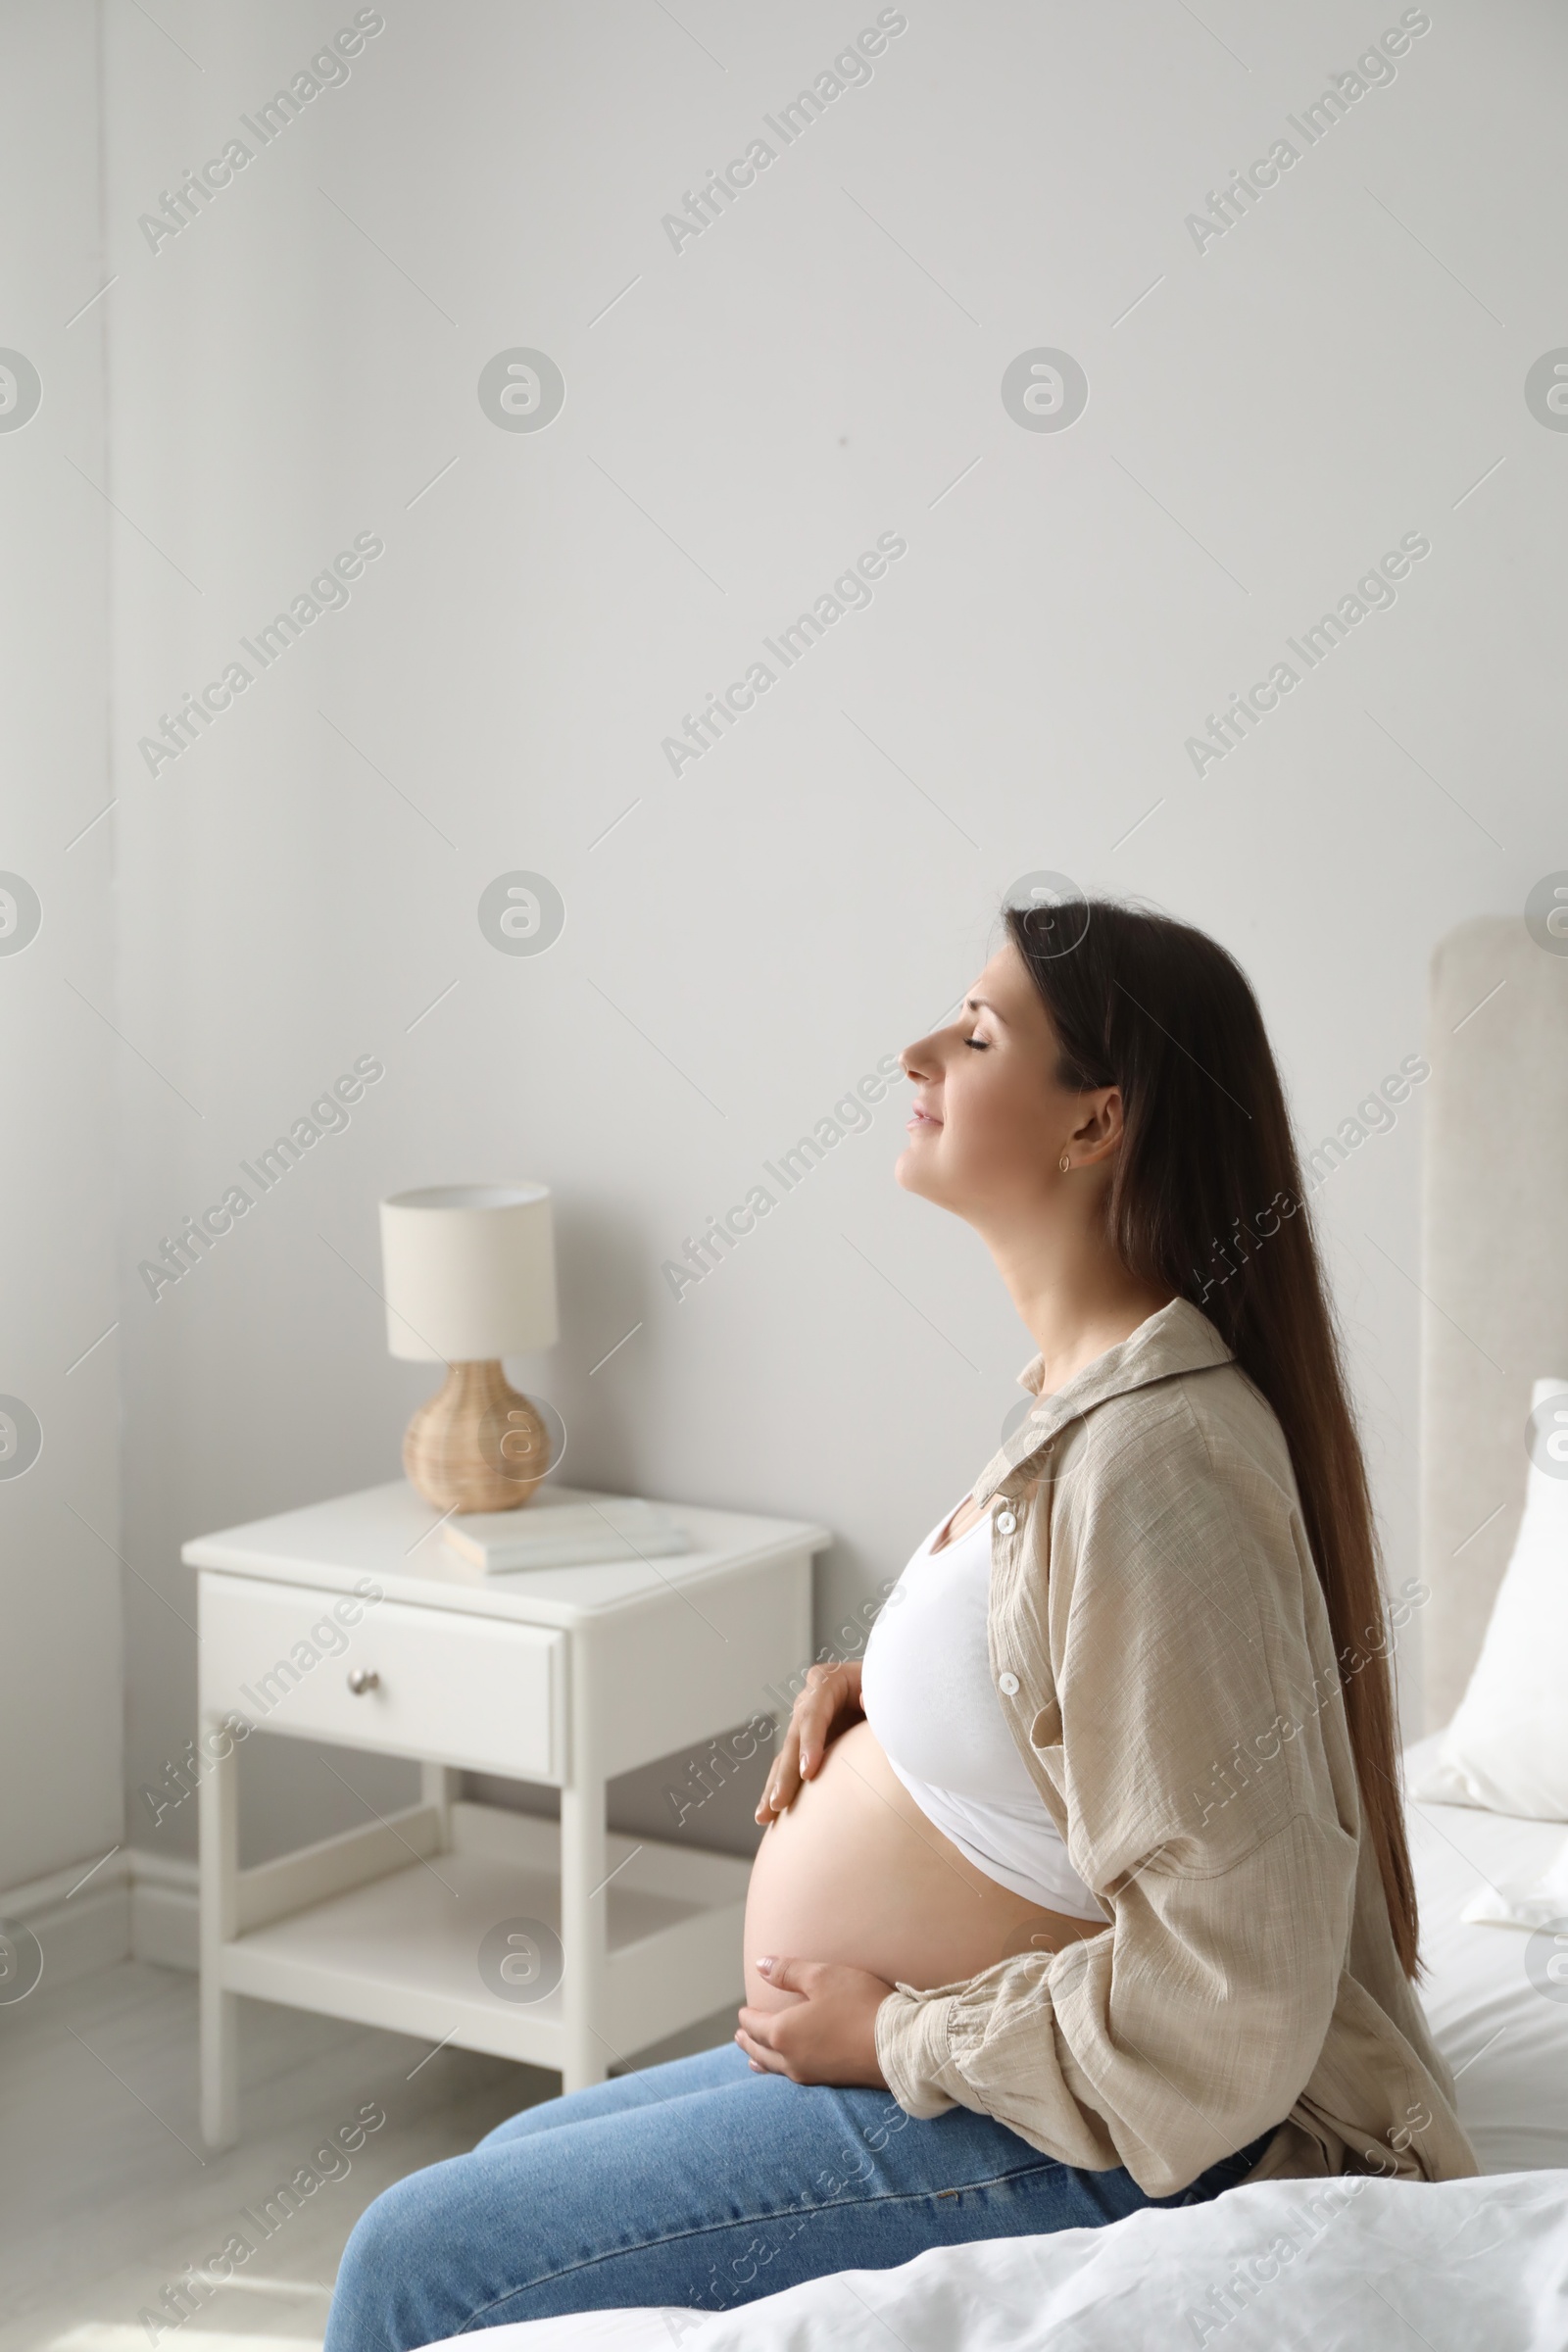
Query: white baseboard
77,1933
164,1913
136,1905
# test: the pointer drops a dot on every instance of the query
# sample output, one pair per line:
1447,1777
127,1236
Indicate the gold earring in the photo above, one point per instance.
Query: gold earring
1062,1163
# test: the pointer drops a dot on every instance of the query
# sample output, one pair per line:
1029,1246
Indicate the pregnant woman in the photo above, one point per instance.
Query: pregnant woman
1087,1889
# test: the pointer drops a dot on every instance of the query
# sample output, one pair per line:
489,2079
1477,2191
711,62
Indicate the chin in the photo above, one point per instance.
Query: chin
907,1171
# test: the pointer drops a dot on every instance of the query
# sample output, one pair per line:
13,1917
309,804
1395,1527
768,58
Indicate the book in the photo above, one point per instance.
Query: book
565,1527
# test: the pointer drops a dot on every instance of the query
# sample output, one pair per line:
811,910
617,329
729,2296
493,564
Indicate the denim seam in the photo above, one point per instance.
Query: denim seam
753,2221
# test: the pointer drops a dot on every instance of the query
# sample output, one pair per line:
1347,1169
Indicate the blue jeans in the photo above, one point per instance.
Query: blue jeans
703,2185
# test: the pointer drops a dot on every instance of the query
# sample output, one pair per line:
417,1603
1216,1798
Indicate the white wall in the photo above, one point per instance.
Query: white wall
300,364
60,1652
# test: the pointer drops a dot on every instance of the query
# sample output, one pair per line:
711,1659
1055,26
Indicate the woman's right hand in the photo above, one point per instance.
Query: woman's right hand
829,1704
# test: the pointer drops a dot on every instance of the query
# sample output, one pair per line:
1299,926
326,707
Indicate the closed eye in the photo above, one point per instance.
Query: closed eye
981,1044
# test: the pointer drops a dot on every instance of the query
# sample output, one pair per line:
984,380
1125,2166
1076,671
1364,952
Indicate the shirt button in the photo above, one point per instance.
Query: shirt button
1006,1522
1008,1684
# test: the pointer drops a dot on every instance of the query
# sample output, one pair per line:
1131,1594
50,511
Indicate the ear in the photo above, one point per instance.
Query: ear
1099,1128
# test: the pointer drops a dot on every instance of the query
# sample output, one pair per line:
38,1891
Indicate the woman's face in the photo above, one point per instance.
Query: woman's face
990,1122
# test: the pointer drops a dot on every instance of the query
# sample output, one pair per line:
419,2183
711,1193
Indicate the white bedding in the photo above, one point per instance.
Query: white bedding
1506,2042
1459,2263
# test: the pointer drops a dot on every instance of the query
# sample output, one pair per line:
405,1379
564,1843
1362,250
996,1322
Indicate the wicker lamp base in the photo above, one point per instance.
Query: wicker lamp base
476,1445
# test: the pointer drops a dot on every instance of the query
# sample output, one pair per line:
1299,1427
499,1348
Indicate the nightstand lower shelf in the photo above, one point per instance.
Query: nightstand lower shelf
402,1951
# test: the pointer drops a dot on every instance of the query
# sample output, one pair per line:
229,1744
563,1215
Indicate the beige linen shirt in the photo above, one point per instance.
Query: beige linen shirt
1162,1651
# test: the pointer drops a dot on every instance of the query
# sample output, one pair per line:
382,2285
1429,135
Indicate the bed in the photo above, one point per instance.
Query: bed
1506,2044
1360,2262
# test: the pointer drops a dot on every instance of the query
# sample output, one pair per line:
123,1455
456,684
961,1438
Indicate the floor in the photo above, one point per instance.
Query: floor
108,2197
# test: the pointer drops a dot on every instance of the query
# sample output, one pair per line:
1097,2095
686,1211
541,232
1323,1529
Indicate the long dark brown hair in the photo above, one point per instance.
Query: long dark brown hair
1207,1200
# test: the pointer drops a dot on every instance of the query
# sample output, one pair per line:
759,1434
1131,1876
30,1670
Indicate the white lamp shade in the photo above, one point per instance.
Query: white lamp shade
470,1272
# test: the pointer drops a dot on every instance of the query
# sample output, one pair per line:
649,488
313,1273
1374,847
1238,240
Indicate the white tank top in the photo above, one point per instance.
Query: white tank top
926,1687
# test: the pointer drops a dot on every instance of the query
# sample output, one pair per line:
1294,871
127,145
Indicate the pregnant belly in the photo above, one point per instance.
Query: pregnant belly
854,1872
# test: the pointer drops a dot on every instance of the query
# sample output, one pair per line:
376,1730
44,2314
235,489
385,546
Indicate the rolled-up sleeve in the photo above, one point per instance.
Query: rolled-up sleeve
911,2047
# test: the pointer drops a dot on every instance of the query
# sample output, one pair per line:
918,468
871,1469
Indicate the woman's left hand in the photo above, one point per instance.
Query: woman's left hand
828,2034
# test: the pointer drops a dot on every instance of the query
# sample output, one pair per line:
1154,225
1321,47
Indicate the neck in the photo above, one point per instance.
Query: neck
1072,1292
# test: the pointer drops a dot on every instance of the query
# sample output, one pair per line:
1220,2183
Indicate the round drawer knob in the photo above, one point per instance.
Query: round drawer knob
362,1678
1008,1684
1006,1522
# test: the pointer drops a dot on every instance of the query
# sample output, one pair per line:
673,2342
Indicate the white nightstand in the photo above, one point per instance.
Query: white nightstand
561,1676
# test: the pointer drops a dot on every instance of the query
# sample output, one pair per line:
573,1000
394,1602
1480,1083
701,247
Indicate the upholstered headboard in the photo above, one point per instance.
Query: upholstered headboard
1495,1260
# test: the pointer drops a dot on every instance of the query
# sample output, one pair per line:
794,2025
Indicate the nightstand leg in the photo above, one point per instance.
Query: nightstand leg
220,2066
438,1787
584,1909
217,1802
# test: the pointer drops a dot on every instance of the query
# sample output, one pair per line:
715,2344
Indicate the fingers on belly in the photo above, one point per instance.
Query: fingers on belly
761,1994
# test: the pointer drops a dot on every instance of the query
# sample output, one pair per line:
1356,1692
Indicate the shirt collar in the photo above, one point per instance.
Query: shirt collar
1178,1339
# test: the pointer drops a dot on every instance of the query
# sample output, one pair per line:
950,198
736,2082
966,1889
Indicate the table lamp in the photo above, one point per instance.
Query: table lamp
470,1276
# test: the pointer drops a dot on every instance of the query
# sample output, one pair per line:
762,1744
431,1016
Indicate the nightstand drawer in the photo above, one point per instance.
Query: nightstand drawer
430,1682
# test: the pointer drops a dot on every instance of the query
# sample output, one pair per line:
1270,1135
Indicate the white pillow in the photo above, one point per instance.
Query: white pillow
1507,1747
